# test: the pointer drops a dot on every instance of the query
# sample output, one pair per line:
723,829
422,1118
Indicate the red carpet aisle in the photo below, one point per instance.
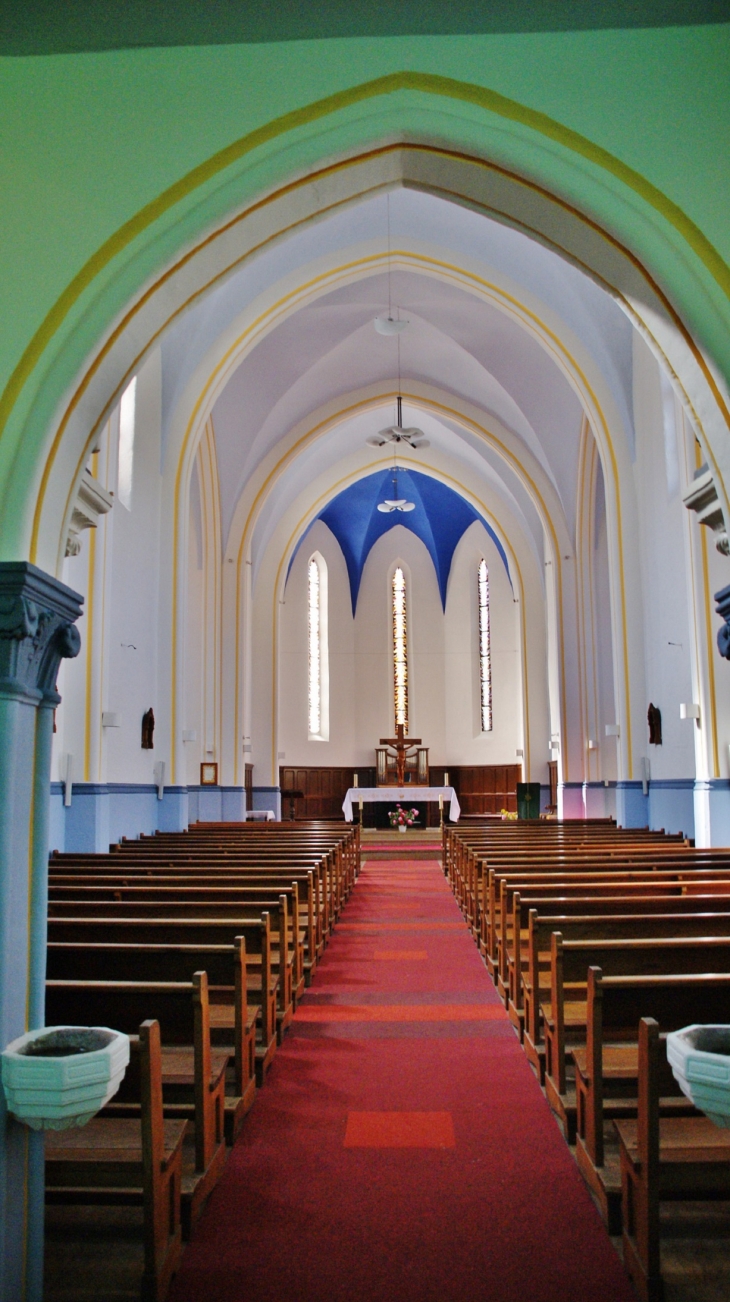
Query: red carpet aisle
401,1148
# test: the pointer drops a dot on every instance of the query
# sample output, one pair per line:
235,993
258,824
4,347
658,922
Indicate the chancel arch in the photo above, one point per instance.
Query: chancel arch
251,290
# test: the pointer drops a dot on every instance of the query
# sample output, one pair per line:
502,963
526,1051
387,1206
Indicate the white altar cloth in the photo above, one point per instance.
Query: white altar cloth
408,795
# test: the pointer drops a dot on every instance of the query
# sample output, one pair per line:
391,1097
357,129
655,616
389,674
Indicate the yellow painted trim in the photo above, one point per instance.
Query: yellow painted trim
583,453
102,622
710,658
595,462
91,572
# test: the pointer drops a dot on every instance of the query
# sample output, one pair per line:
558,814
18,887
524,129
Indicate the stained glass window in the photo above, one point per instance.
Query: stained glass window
485,657
400,649
315,649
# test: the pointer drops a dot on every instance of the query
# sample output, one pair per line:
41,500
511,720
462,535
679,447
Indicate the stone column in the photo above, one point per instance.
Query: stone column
37,615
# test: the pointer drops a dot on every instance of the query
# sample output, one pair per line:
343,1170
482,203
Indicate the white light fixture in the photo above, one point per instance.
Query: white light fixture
189,734
395,503
387,325
690,710
592,744
519,753
110,720
613,729
411,436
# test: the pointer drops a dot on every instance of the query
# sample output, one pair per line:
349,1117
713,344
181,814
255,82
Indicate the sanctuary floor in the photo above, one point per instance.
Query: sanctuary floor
401,1148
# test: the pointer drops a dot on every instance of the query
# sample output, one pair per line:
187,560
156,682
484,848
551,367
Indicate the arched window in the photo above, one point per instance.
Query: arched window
127,420
485,655
400,649
318,658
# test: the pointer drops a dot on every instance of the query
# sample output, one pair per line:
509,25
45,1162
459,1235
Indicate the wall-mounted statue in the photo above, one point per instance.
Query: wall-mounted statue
148,730
654,719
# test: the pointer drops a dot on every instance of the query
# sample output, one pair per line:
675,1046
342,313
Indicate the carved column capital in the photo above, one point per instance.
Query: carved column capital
37,630
702,498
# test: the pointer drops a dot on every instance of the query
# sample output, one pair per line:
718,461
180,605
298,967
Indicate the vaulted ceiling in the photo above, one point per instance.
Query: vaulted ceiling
483,303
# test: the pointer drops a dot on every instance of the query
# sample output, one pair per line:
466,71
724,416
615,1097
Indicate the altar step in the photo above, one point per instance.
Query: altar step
416,843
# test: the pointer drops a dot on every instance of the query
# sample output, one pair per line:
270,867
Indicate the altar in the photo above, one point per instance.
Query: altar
408,795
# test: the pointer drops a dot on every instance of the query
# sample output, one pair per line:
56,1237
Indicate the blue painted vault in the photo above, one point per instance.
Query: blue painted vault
440,517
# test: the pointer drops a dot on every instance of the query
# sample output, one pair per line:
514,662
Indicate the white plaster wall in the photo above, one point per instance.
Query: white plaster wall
667,627
134,671
117,571
193,718
294,662
607,707
465,741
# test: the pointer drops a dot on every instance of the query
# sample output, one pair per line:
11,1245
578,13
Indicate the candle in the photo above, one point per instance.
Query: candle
359,801
355,780
441,801
446,779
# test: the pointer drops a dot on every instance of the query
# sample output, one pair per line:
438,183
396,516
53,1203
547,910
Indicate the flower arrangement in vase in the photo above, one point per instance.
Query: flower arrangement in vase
402,818
508,816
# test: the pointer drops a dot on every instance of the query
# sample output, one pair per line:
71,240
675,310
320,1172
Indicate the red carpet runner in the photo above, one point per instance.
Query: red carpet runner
401,1148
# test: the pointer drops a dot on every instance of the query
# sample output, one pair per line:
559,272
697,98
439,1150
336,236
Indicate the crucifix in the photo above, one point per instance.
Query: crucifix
401,745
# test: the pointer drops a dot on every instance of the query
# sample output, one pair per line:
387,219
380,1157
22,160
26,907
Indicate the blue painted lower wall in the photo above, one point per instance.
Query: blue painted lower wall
100,814
669,804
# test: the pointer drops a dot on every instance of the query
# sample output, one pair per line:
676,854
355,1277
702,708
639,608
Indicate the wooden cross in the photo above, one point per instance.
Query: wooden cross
401,745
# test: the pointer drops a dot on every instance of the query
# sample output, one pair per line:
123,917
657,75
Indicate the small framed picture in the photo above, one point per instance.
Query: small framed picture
209,775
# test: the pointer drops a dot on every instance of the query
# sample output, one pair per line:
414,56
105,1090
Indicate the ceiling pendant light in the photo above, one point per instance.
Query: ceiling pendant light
395,503
412,437
388,325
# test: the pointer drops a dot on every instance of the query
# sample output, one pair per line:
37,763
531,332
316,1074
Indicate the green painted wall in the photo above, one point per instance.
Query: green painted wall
90,139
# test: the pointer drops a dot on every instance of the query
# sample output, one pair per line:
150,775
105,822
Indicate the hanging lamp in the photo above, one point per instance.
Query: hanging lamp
395,503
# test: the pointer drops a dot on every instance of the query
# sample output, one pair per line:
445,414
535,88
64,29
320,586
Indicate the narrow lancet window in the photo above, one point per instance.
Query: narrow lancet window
318,698
315,651
127,416
400,649
485,656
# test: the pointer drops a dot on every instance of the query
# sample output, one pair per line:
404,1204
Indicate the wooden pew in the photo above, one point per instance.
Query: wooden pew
194,872
530,980
230,916
564,1016
619,885
256,931
133,1161
681,1159
552,913
109,884
232,1019
606,1082
157,899
193,1076
534,922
